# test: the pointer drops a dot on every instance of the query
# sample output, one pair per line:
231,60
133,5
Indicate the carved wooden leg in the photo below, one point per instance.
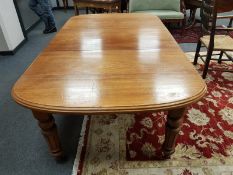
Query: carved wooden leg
173,125
49,130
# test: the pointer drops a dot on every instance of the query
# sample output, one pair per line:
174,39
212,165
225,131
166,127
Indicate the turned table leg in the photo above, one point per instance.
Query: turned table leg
49,131
173,125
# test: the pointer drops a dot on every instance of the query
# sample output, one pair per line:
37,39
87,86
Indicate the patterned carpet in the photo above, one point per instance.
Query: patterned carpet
191,35
128,144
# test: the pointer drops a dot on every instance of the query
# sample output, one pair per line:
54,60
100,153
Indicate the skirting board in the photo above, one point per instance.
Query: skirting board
12,52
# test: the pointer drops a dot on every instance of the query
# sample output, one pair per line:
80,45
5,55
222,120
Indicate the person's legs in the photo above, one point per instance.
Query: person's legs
35,6
43,9
47,12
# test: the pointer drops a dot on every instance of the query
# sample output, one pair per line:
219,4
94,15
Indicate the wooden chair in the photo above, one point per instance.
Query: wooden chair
210,40
168,11
109,5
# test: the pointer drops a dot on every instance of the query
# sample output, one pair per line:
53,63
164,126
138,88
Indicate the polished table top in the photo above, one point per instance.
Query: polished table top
110,63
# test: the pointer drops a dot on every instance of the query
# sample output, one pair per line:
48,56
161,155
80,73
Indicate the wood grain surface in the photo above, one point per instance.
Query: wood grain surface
110,63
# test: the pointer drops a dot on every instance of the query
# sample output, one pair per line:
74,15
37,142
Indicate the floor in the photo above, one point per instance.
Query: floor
23,150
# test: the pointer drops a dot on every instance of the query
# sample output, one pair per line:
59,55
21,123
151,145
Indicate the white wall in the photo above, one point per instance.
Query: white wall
10,26
3,45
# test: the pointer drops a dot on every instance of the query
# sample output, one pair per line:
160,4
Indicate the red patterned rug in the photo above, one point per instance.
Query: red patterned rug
191,35
129,144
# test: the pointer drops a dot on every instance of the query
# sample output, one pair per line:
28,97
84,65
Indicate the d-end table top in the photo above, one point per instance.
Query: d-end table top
110,63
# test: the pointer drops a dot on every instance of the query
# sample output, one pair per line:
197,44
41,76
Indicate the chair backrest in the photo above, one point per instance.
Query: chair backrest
142,5
208,18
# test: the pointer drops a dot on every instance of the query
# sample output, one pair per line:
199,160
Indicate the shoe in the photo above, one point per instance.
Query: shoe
50,30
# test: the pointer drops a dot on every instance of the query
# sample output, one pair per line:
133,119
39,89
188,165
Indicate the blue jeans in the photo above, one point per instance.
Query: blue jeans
43,9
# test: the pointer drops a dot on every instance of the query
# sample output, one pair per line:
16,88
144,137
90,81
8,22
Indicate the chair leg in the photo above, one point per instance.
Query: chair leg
197,52
230,23
207,62
119,9
181,25
87,10
76,9
110,10
220,57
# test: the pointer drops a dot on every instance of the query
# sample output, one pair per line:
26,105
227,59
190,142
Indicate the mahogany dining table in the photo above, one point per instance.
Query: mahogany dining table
107,64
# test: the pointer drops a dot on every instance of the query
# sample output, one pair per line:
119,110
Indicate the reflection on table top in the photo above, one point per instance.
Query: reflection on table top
107,63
